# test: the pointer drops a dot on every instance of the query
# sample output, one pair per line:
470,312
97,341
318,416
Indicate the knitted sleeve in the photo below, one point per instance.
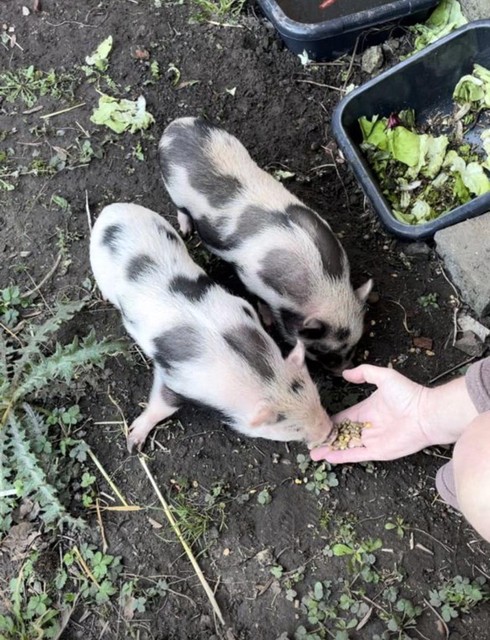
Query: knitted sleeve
478,384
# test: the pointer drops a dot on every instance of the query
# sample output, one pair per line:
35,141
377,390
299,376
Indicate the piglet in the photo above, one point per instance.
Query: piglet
283,252
207,345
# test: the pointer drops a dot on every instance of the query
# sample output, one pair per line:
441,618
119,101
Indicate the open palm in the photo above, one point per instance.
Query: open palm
393,413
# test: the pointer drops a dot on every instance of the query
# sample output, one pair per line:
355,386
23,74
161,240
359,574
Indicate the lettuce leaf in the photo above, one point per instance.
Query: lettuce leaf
122,115
445,18
474,88
99,59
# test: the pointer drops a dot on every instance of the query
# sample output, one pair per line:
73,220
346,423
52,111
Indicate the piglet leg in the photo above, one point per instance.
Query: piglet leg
159,407
265,314
185,223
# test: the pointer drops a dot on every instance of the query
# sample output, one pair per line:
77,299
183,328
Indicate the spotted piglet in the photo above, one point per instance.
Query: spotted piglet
207,345
284,252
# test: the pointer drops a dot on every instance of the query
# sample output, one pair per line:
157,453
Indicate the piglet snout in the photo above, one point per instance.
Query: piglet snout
323,434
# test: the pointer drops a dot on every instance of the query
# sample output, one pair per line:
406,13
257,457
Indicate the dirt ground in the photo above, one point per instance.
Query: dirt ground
241,77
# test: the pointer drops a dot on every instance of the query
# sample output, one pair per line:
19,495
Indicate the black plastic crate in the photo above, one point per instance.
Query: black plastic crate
302,28
424,82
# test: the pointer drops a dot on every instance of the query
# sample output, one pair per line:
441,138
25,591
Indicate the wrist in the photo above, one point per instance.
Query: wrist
445,411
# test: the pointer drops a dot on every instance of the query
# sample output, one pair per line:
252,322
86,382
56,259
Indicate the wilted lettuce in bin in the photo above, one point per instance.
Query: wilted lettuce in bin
417,174
445,18
474,88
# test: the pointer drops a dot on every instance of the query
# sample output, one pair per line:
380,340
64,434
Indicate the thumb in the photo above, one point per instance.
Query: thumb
366,373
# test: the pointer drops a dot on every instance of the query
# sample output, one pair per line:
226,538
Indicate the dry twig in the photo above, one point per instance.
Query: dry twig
439,617
183,542
32,291
106,476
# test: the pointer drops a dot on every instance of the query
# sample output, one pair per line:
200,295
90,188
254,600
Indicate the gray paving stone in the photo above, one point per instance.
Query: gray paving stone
475,9
465,249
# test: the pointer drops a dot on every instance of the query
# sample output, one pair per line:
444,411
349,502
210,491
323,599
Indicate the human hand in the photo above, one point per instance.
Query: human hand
394,413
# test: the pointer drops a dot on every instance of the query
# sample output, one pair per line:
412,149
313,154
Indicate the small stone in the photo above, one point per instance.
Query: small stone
470,344
465,249
264,557
25,11
416,249
141,54
423,343
373,297
372,59
467,323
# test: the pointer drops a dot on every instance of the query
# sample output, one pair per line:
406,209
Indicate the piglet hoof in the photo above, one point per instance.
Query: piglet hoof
185,224
133,442
265,314
137,436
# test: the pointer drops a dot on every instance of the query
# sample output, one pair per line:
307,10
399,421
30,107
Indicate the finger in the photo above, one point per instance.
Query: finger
366,373
358,454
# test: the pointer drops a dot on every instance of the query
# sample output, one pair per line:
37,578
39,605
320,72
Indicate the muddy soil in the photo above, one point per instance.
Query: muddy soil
241,77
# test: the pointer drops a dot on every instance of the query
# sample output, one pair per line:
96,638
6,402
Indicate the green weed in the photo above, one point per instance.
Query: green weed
398,525
217,9
29,84
11,304
31,611
134,599
29,463
459,595
264,497
360,557
196,512
317,478
429,300
155,70
86,152
399,614
331,618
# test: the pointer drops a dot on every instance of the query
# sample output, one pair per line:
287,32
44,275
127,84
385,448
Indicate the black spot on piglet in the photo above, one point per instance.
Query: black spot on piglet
177,345
110,236
139,267
328,245
253,347
193,290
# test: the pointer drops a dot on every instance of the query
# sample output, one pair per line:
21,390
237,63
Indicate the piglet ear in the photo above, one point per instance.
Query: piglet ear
364,290
297,355
264,415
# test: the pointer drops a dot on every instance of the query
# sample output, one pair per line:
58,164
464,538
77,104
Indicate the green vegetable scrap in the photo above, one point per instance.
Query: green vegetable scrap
444,19
99,59
474,89
423,175
122,115
485,138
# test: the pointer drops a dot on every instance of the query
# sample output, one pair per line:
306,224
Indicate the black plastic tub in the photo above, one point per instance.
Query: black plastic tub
424,82
328,33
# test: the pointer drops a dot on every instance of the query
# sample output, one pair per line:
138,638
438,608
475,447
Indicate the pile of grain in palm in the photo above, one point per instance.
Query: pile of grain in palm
349,434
